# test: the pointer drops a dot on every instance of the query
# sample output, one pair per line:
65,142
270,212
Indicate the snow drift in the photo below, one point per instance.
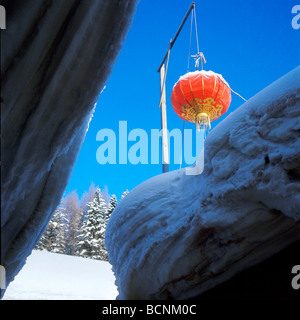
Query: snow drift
53,276
178,235
56,57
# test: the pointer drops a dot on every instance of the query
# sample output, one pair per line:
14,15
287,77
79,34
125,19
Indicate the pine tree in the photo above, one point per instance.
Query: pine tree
91,237
61,220
112,204
48,240
124,194
72,213
40,245
87,197
105,195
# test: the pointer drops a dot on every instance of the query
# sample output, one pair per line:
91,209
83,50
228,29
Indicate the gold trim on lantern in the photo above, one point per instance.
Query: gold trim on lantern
198,106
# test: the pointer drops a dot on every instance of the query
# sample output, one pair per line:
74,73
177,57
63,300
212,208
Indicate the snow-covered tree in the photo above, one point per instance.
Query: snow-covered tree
61,220
78,227
112,204
124,194
87,197
105,195
72,213
49,238
40,245
91,237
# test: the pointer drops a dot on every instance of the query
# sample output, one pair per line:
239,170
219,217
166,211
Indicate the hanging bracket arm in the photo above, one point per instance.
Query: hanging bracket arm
192,6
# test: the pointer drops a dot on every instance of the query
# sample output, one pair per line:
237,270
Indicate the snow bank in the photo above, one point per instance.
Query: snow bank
178,235
52,276
55,60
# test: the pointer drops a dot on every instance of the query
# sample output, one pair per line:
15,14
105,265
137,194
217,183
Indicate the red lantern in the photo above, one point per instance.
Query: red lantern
201,97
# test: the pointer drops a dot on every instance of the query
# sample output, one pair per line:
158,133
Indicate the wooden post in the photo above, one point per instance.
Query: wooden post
163,110
164,128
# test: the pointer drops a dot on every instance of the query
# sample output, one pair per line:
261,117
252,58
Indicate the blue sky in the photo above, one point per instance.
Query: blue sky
250,42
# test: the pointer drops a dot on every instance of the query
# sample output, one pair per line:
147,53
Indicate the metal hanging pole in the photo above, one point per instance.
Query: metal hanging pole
163,71
177,33
164,130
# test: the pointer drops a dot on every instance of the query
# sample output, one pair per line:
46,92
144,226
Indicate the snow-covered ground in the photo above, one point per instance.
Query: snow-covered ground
52,276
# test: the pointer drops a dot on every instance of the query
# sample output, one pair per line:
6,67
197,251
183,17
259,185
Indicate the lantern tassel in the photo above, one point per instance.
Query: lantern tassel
203,123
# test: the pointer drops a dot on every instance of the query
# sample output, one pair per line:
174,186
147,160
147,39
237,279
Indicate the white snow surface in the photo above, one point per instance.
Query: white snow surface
175,235
205,74
53,276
